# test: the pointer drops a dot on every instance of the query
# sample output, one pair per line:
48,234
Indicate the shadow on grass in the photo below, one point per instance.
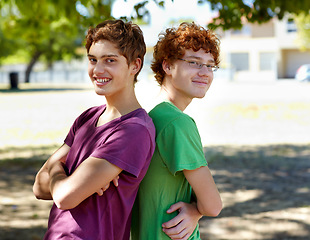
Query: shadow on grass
281,173
35,233
256,182
22,216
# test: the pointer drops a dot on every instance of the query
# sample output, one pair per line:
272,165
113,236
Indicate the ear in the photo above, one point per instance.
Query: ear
136,65
166,67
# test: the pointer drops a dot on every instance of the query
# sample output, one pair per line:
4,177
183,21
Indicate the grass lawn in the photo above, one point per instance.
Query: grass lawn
256,138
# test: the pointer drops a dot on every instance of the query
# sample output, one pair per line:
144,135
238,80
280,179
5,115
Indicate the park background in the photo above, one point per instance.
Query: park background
254,125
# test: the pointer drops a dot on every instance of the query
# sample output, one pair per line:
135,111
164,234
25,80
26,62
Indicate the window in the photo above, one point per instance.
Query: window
240,61
267,61
291,26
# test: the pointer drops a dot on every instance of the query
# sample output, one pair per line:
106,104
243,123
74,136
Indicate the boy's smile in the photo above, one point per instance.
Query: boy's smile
189,77
109,70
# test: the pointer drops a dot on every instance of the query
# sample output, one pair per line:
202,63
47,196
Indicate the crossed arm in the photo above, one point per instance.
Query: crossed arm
92,176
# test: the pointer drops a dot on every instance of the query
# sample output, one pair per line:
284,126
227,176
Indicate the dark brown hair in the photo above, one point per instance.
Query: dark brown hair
127,37
174,41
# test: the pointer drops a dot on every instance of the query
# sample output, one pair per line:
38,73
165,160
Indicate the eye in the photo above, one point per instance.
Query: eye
194,63
197,64
110,60
92,60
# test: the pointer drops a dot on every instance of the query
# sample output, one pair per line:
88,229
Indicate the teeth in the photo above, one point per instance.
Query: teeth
102,80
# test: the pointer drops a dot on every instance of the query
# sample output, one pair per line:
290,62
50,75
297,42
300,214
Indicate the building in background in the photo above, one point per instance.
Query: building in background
263,52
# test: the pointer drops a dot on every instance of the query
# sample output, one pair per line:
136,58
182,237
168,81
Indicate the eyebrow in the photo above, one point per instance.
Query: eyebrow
200,59
103,56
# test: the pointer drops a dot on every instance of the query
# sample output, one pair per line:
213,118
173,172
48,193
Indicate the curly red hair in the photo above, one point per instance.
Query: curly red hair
174,41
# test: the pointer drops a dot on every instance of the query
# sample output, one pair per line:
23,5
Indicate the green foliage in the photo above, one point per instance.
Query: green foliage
233,13
52,29
49,30
303,25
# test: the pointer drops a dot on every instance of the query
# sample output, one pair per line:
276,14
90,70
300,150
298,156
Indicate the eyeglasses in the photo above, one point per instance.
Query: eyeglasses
199,65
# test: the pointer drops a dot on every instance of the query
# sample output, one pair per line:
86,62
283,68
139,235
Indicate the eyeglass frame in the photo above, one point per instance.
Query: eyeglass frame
198,65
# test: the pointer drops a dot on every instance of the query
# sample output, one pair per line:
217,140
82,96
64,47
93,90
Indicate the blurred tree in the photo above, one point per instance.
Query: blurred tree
232,13
48,29
53,29
7,46
303,27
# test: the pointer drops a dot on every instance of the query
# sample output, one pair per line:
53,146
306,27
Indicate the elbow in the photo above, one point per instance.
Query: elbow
36,192
39,193
215,211
64,202
62,206
211,211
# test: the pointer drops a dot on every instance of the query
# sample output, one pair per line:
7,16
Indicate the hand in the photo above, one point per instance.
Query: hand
183,225
103,189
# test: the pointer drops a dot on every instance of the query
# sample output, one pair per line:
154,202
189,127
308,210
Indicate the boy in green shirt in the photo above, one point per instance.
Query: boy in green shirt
184,61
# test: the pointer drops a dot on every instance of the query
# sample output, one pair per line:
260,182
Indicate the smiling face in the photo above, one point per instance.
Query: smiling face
109,70
185,82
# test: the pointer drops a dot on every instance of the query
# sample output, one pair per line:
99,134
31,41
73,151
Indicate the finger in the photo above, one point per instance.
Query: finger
100,192
183,234
173,222
185,237
115,181
103,189
172,231
175,207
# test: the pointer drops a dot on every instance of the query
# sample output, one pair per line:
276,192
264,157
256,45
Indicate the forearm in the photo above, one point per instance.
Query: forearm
41,186
57,176
92,174
210,204
208,198
196,213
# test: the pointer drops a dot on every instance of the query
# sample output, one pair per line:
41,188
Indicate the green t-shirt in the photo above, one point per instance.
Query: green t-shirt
178,147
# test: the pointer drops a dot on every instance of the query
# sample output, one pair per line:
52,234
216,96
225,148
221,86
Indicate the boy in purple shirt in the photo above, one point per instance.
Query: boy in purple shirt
115,140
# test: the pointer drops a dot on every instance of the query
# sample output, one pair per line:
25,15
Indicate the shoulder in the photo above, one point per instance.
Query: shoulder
139,117
87,115
166,115
137,122
90,112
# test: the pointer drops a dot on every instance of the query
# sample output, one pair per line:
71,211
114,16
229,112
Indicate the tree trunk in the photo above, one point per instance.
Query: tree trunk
33,61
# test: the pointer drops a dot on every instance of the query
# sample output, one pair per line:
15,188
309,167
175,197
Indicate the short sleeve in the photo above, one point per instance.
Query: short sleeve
70,136
180,145
128,147
79,121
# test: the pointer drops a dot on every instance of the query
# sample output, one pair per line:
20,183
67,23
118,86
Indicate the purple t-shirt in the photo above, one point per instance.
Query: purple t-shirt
127,142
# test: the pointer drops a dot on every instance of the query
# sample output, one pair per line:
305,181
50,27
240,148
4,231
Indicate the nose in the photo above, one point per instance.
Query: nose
204,71
99,68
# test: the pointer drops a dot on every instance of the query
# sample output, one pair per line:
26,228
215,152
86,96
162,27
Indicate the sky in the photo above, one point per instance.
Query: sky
161,17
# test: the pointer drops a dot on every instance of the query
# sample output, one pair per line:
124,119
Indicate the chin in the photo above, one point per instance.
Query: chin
100,92
201,95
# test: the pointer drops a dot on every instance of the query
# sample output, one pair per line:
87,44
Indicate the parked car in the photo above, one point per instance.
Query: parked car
303,73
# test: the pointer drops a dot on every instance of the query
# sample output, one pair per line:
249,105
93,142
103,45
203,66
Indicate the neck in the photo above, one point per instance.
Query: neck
120,105
174,98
